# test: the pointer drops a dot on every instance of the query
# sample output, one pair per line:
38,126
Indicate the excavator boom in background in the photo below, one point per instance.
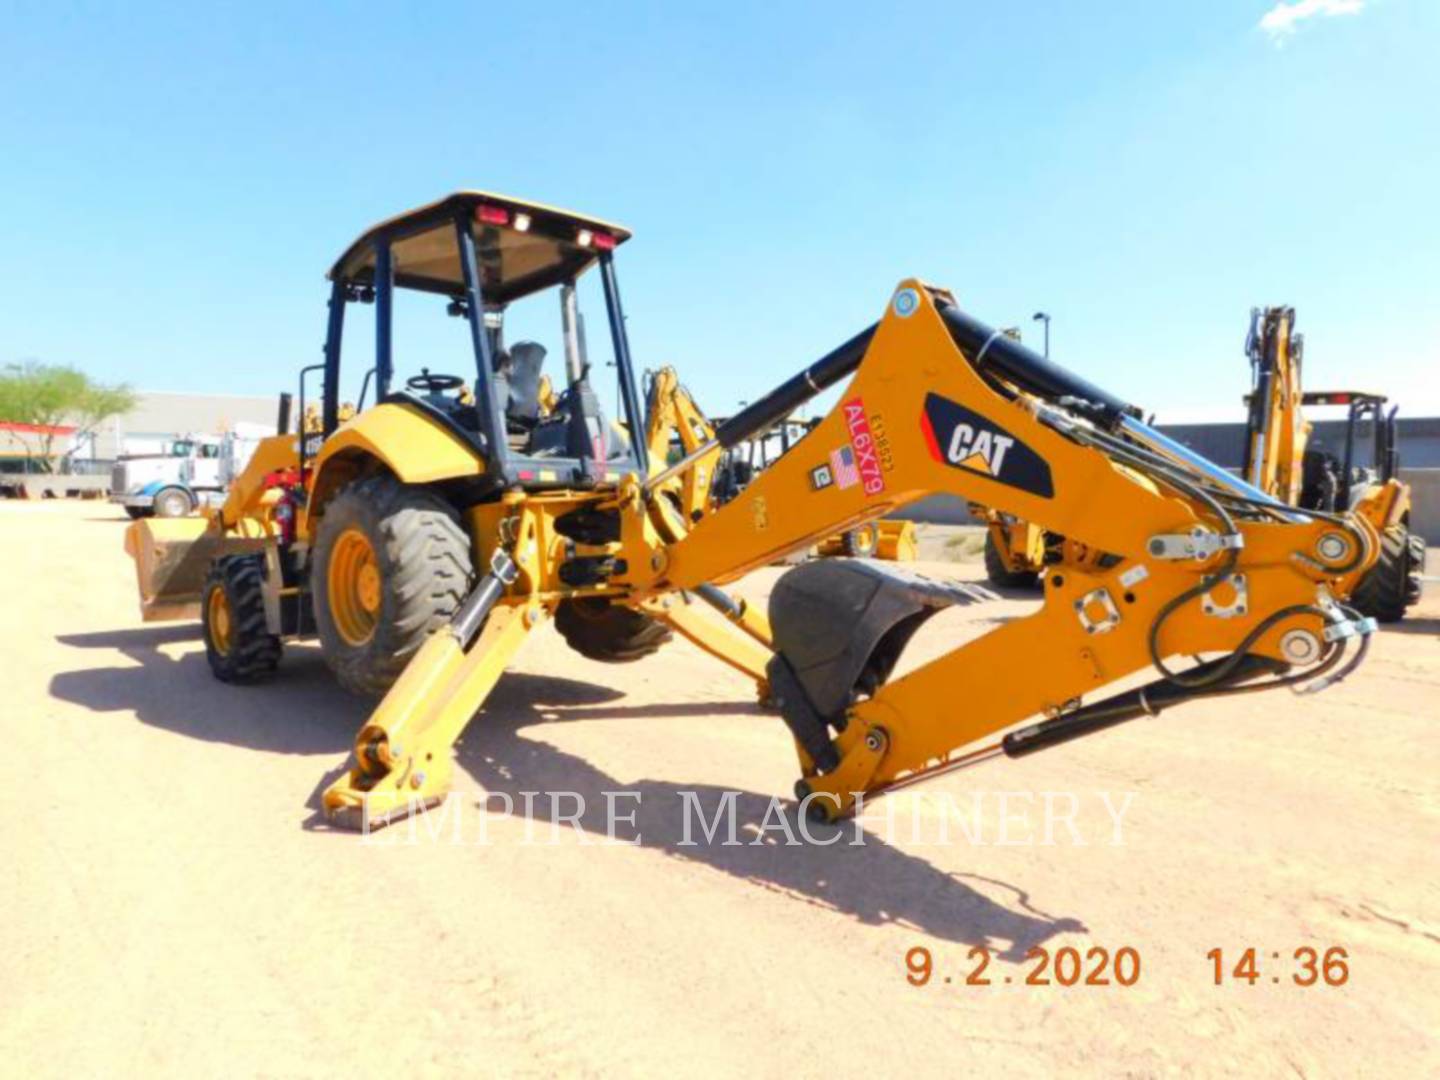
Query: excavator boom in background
424,539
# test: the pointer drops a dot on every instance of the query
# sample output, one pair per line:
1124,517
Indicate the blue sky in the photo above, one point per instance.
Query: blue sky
177,178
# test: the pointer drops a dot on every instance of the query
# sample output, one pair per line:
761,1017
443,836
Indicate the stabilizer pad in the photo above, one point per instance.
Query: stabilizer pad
840,624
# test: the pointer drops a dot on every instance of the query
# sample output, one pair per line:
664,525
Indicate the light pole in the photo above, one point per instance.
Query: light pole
1041,316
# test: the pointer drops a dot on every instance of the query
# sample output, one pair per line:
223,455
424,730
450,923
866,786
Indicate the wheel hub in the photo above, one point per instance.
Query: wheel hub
355,587
218,606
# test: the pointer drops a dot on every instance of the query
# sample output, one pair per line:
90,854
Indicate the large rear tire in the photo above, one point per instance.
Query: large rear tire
608,632
392,564
238,643
999,574
1393,583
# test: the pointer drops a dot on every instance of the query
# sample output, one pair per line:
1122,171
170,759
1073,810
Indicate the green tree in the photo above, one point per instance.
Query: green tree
48,395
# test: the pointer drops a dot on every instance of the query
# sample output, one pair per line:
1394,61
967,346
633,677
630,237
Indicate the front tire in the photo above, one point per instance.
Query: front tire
137,512
392,564
1393,583
173,502
238,643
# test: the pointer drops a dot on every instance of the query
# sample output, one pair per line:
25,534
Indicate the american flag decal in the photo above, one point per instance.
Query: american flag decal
842,464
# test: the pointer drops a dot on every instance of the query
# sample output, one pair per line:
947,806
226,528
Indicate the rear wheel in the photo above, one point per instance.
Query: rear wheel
596,628
238,643
999,574
1393,583
861,541
172,502
392,563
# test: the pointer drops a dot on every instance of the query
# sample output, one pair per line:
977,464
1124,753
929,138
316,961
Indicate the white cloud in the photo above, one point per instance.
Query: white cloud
1281,20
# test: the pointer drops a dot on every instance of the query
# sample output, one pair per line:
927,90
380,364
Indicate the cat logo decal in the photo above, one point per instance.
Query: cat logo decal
968,441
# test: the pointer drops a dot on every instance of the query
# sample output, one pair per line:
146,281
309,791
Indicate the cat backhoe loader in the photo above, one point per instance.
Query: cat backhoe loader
1283,459
425,539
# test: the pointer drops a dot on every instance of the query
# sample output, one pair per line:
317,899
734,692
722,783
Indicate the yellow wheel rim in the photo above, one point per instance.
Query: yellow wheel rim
218,609
354,587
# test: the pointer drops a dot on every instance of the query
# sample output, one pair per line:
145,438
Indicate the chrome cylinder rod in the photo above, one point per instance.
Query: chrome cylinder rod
1183,455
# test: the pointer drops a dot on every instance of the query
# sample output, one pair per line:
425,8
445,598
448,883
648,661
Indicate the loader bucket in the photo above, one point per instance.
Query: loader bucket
172,557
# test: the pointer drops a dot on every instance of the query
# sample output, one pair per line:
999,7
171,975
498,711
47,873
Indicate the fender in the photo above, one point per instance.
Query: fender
416,448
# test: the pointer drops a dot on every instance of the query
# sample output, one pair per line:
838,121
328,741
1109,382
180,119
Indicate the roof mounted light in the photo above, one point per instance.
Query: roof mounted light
604,241
584,237
492,215
522,222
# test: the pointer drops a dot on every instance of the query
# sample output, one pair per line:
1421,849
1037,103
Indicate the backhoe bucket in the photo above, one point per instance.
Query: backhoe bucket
172,557
839,627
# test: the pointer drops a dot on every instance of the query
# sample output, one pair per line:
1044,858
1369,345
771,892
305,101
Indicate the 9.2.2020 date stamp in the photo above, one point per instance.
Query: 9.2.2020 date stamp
1066,966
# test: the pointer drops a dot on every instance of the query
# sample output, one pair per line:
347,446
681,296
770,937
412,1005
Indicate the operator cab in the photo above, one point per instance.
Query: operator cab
1337,481
528,407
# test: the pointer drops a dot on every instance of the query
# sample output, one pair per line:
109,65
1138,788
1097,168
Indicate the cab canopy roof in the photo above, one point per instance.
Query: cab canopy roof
521,247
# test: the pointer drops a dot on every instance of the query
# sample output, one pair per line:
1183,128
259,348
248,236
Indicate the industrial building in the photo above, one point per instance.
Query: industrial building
160,415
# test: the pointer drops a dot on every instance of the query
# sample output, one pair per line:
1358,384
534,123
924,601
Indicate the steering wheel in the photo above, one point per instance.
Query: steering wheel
434,384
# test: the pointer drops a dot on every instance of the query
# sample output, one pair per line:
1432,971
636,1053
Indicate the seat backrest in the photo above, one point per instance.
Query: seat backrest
527,362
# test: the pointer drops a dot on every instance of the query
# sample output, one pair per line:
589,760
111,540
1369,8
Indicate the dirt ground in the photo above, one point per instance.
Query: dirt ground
172,905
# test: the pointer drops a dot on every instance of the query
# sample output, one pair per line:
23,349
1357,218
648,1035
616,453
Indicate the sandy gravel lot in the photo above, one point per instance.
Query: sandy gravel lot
172,906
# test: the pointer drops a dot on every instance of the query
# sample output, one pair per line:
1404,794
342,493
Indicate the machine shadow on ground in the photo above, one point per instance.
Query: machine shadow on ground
1414,626
874,882
302,711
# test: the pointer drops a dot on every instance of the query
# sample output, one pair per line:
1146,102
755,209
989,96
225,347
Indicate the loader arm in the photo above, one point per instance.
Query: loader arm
1180,558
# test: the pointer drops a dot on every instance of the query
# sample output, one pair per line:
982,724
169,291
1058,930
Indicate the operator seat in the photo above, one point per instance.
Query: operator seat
522,404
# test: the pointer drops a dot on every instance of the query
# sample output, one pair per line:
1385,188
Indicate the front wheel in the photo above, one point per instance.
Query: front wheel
392,564
137,512
238,643
173,502
1393,583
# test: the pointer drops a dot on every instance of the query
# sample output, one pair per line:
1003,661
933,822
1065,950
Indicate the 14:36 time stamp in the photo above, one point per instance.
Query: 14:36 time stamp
1305,966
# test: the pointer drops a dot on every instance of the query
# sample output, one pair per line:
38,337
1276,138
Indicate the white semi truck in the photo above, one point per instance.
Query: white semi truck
189,472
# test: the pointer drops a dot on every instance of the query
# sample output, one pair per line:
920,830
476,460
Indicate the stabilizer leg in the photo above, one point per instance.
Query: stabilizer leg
402,760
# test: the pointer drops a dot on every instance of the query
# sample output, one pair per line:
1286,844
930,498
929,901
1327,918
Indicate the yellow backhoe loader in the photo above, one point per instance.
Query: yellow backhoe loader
425,539
1283,459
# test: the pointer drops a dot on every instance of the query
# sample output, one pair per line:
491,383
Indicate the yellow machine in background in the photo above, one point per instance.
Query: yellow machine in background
1283,459
1014,548
424,540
